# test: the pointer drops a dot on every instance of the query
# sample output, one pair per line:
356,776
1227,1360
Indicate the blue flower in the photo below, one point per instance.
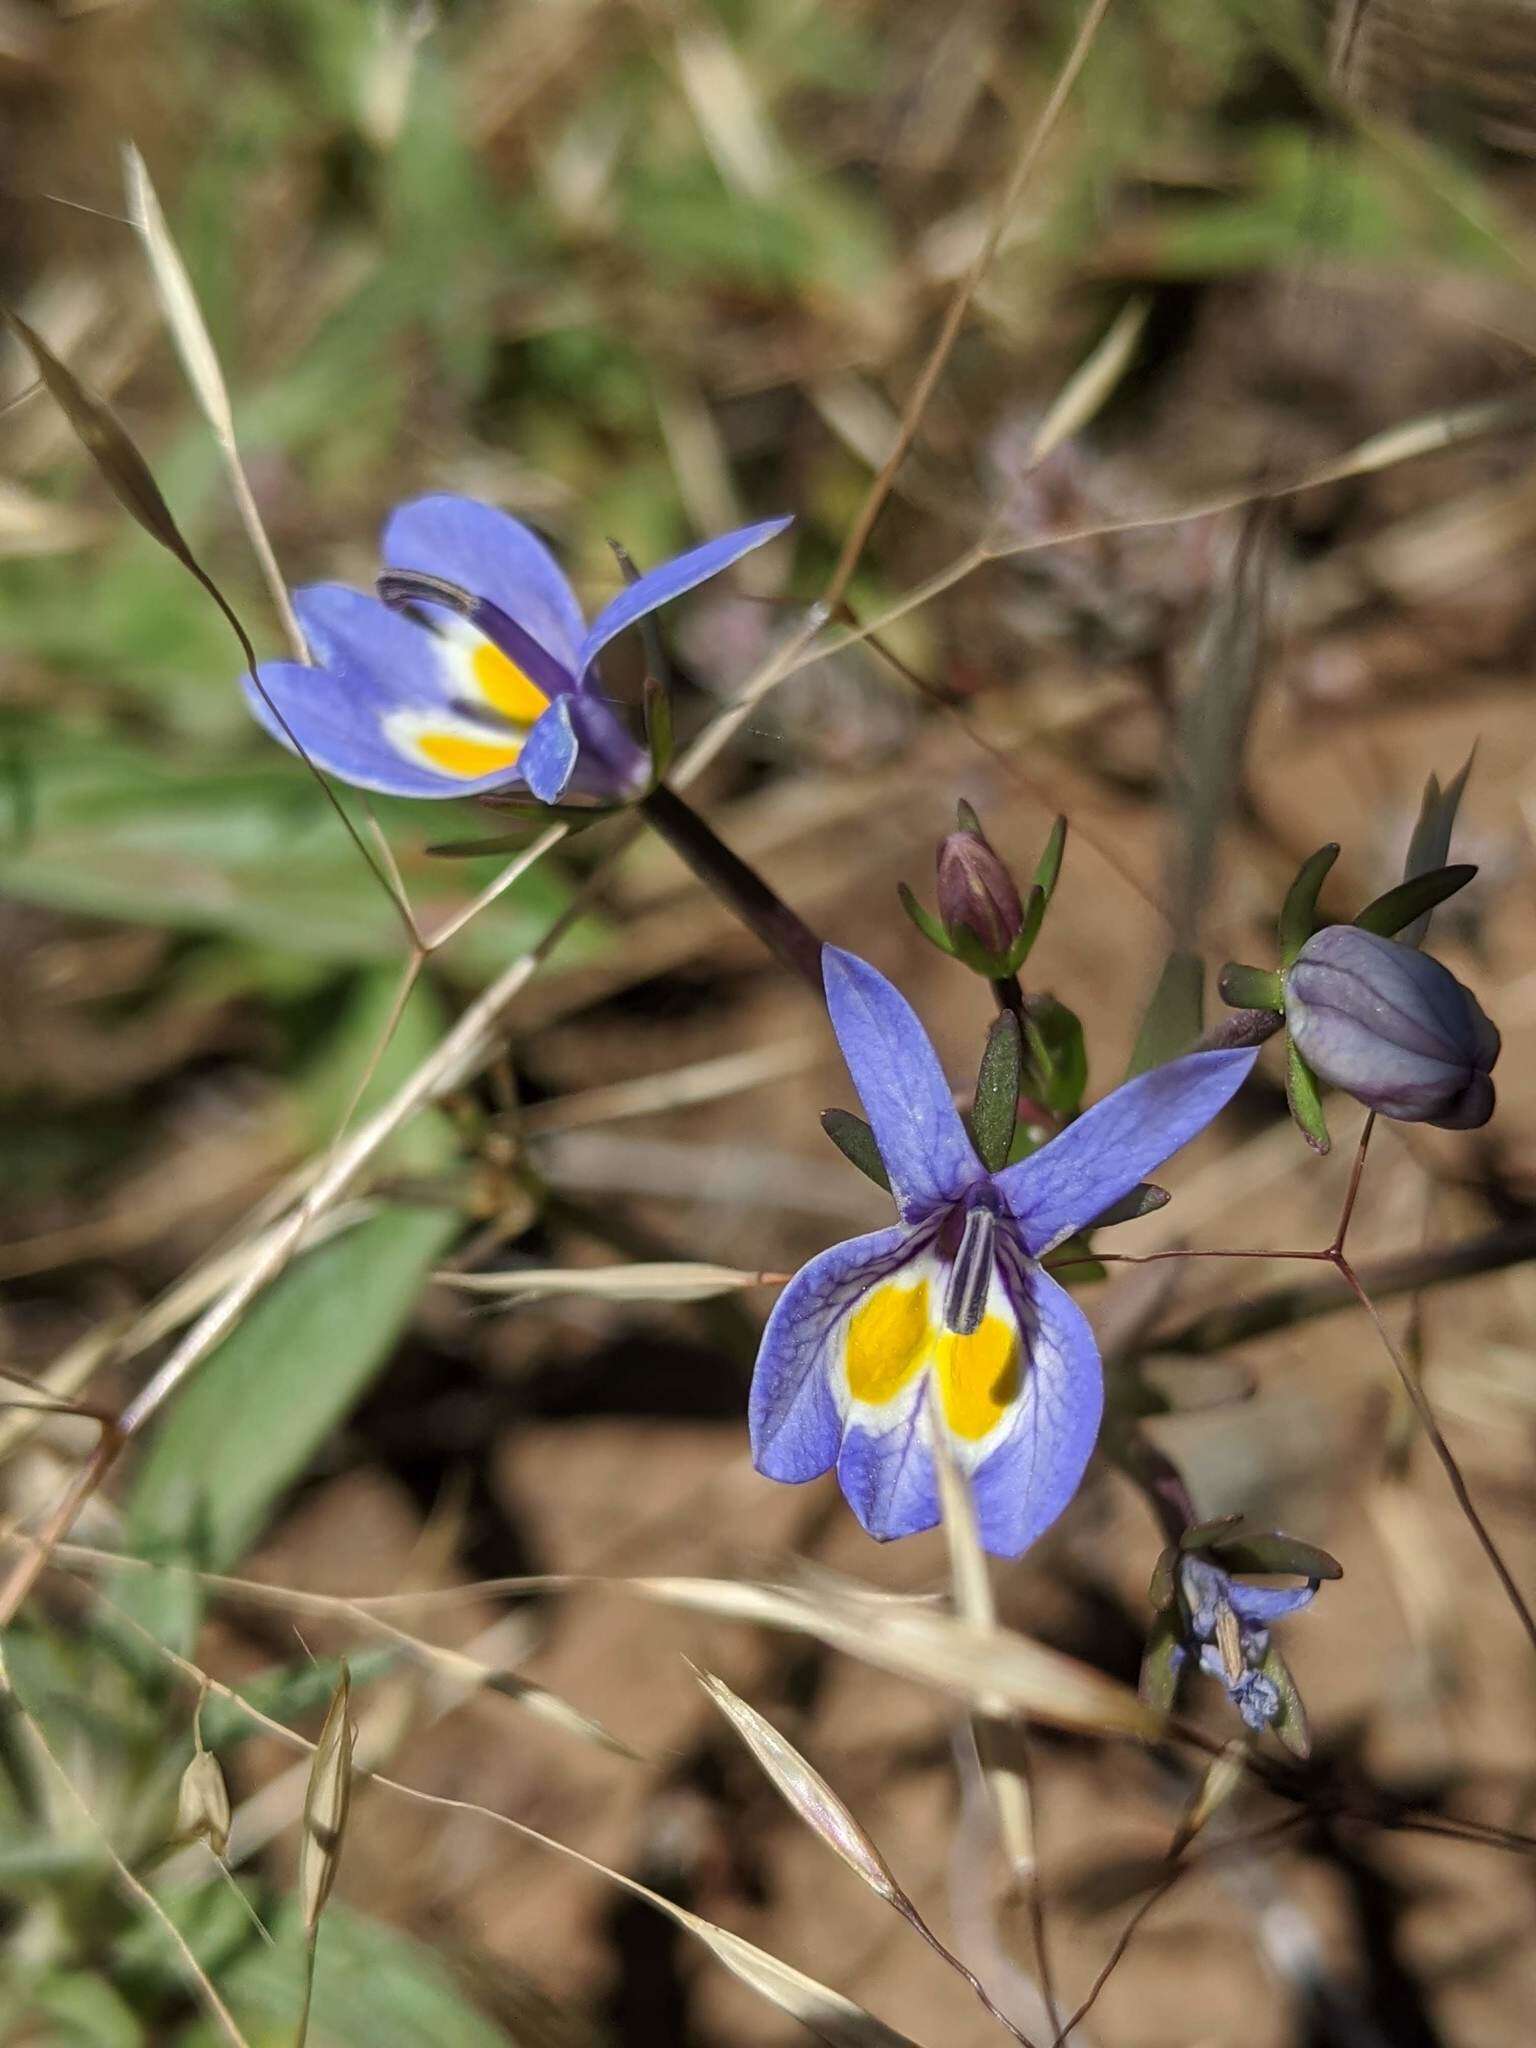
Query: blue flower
1227,1627
954,1292
488,681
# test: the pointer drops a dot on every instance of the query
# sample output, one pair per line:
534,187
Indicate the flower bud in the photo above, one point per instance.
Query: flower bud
1391,1027
977,895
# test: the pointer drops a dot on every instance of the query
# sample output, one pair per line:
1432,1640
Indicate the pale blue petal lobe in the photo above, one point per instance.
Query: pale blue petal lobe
339,732
377,658
1117,1143
492,555
672,579
1261,1605
922,1141
549,754
793,1414
888,1477
1021,1487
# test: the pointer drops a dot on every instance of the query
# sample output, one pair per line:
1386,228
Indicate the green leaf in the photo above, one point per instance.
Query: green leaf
1058,1055
856,1141
1271,1551
1160,1664
1290,1724
249,1423
1412,900
374,1988
996,1108
1301,1092
1431,840
251,853
1251,988
1163,1589
1035,900
925,921
1048,871
1174,1016
1298,915
83,2011
1142,1200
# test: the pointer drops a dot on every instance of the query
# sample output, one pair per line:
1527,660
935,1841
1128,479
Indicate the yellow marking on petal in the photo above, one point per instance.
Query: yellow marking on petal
504,686
979,1377
467,758
888,1338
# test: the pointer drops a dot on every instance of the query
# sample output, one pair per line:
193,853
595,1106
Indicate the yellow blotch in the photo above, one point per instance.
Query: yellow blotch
505,687
979,1376
888,1339
468,758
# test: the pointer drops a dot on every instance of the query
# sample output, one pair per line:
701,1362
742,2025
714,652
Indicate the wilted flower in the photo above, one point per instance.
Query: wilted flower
977,895
1391,1027
955,1292
1226,1625
488,680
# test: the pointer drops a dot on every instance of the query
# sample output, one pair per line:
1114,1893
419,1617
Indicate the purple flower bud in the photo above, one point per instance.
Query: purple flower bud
1391,1027
977,894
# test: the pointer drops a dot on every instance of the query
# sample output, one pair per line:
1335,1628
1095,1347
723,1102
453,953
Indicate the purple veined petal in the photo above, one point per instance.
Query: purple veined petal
798,1397
1026,1479
549,753
345,734
1260,1605
888,1476
1118,1143
672,579
376,676
922,1141
378,658
493,556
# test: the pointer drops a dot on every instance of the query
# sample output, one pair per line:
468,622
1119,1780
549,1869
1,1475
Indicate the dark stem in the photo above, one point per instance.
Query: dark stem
788,937
1159,1479
1213,1330
1241,1028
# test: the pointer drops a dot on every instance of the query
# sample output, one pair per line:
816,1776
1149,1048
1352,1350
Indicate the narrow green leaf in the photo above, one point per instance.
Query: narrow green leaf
1163,1588
1298,915
1048,871
1271,1551
996,1108
1161,1662
1301,1091
1251,988
1035,900
1290,1724
925,921
1412,900
1058,1063
1142,1200
1431,840
856,1141
1174,1016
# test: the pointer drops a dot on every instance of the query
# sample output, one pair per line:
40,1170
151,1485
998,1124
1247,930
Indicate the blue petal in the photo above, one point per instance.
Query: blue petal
492,555
792,1413
1117,1143
660,586
1262,1604
371,663
377,657
902,1087
1023,1485
340,733
549,754
889,1478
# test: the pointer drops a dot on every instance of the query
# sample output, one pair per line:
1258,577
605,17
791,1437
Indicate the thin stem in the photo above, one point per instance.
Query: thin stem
786,935
1442,1450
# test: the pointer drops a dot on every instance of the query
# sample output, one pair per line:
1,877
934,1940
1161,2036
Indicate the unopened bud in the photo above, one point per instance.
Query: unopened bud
1391,1027
977,895
202,1805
